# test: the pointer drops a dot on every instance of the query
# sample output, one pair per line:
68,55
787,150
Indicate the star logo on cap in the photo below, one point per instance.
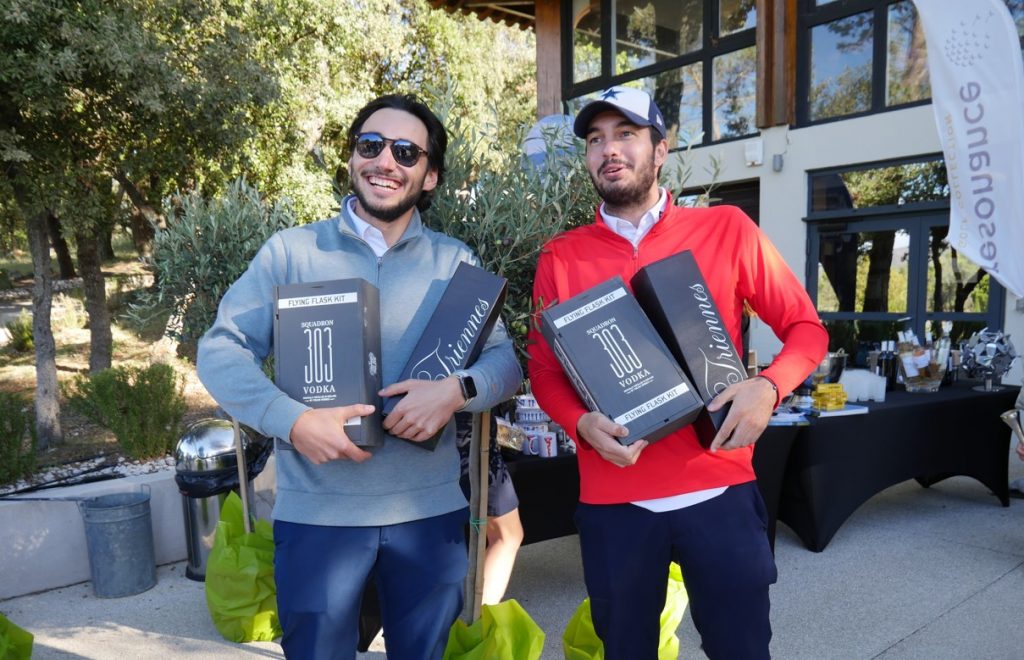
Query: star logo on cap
658,120
610,94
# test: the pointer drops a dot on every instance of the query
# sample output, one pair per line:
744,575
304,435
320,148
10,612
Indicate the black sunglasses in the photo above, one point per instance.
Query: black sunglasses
405,153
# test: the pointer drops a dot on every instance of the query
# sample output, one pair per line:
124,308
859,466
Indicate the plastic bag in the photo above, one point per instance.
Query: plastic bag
580,642
240,590
503,632
15,642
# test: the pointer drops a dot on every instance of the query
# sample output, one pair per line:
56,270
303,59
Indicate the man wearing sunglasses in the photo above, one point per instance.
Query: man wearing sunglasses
344,515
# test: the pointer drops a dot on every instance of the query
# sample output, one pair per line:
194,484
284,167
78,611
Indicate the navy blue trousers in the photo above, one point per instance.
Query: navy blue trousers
727,565
419,568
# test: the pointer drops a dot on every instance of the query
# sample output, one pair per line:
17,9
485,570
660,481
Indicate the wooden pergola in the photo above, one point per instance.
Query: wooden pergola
541,16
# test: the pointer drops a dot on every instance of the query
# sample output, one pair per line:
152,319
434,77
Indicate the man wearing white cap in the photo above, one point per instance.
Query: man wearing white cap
643,506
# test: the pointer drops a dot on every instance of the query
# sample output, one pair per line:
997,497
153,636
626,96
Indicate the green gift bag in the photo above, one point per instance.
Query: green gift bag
240,590
580,642
503,632
15,642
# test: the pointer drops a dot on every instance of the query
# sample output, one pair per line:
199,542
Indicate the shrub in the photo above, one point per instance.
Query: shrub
143,406
506,210
17,438
21,332
68,311
206,246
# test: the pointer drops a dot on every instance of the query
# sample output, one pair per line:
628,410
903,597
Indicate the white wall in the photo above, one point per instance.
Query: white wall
784,197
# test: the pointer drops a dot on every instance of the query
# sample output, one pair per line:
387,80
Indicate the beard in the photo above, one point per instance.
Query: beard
624,193
384,213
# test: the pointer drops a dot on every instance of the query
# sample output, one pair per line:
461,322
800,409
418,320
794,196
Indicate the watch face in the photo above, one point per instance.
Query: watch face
468,387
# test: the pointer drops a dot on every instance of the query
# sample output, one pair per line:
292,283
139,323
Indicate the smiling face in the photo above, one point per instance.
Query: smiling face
623,163
385,191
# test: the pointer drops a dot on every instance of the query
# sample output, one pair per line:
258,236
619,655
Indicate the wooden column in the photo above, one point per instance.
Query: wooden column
549,57
776,62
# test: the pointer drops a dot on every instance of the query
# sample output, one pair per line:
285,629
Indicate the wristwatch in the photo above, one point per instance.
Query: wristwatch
467,385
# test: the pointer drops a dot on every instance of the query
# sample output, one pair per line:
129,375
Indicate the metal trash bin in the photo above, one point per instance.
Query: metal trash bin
119,535
206,470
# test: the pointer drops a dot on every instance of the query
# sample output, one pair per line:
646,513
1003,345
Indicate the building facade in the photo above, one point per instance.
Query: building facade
812,115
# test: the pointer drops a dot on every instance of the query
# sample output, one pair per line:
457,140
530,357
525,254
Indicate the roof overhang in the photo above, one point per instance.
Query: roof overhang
519,13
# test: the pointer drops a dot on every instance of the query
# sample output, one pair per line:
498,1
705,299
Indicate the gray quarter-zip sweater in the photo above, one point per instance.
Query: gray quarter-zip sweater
400,482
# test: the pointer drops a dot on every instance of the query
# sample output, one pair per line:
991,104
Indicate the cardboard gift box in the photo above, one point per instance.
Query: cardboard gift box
618,363
327,349
456,331
676,299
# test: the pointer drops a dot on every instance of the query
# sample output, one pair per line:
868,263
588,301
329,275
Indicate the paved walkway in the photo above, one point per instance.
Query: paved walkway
914,574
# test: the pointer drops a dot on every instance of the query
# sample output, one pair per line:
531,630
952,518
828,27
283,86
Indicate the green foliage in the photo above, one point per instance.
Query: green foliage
17,438
21,332
206,246
506,210
68,311
143,406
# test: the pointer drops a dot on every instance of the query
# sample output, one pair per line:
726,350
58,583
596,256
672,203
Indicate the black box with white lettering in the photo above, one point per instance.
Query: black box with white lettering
676,298
618,363
327,349
456,331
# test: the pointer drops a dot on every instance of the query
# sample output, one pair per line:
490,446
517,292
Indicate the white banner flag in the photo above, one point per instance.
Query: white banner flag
977,77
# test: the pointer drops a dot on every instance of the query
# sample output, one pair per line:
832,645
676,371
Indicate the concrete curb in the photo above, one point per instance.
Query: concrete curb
43,543
43,546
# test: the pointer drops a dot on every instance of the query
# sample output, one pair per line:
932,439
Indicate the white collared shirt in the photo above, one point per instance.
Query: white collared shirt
629,231
373,236
634,234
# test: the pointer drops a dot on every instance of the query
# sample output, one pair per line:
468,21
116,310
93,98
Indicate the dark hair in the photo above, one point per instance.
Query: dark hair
655,141
437,136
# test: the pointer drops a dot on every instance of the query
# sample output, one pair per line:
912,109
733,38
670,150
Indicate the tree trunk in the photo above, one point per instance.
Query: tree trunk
142,234
47,401
105,242
139,200
60,247
100,338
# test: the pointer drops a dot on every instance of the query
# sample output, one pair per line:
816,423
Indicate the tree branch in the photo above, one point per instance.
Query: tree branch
139,200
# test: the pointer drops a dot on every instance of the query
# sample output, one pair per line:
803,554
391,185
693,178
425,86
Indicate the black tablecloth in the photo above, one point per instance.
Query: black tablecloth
549,488
838,463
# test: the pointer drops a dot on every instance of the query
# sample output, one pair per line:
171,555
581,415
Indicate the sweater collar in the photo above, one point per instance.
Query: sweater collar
347,224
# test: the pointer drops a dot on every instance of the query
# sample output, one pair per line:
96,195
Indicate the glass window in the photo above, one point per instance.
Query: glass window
735,85
840,82
856,335
906,75
882,271
1017,11
863,271
737,15
586,44
678,94
879,186
955,283
653,31
705,83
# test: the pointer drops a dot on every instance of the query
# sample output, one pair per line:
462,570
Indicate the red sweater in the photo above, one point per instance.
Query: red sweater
739,264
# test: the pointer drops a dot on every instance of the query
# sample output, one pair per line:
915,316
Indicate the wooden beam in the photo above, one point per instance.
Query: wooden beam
549,57
776,62
786,62
765,40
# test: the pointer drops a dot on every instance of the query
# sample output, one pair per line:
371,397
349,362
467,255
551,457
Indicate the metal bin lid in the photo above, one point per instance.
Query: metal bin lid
208,445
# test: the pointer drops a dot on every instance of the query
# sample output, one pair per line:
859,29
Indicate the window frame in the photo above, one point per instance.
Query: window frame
809,17
712,46
917,219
